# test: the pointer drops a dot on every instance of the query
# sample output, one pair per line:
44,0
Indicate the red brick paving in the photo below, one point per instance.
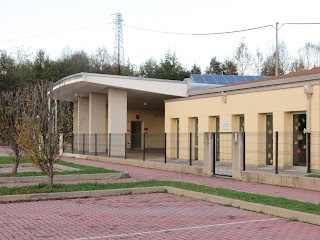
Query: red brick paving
142,174
147,216
152,216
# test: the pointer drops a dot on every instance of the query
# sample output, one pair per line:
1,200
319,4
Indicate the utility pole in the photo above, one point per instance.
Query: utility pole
118,44
277,50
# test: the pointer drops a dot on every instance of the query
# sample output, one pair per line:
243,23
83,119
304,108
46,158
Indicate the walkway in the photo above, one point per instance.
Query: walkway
143,174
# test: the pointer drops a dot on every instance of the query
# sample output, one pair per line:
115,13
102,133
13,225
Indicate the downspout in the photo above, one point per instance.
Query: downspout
308,92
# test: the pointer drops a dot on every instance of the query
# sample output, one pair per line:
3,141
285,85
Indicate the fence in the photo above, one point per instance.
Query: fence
279,152
222,153
182,148
283,152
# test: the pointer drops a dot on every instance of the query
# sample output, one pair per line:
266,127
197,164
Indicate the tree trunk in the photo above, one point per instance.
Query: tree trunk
50,175
15,167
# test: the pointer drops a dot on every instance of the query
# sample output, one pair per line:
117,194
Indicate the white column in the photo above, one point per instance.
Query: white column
97,122
75,126
83,122
117,121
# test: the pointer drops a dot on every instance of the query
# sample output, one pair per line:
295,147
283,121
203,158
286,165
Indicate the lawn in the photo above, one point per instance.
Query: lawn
7,160
82,169
249,197
315,175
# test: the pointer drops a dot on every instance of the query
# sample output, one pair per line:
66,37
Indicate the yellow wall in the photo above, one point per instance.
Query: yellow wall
152,125
254,106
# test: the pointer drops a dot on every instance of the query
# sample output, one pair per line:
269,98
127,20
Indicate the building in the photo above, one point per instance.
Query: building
122,109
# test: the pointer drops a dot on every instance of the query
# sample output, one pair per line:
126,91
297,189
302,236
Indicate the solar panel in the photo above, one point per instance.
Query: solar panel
198,78
223,79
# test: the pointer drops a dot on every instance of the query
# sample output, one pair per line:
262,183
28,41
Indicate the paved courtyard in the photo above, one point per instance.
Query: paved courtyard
148,216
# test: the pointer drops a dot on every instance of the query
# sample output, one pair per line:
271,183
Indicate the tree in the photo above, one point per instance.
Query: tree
229,68
297,66
11,104
214,67
74,62
129,69
195,69
258,60
310,55
243,57
149,68
269,64
7,72
43,68
171,68
43,120
101,61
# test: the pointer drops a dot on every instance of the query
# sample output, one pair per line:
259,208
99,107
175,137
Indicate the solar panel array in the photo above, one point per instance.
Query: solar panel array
223,79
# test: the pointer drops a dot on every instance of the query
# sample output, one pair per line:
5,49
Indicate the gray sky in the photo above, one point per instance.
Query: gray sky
81,24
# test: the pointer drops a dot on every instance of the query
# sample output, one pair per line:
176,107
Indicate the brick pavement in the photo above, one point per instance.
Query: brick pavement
142,174
147,216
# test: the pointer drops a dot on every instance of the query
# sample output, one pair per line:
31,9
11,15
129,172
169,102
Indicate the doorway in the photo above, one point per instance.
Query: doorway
196,139
269,139
217,139
299,139
136,134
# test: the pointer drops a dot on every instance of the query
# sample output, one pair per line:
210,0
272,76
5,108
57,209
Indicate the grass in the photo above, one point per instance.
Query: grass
8,160
249,197
313,175
82,170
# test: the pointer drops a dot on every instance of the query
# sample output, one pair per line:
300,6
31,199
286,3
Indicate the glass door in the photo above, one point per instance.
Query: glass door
269,139
299,139
217,139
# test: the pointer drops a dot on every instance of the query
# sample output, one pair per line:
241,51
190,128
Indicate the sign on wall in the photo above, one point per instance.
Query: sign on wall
225,125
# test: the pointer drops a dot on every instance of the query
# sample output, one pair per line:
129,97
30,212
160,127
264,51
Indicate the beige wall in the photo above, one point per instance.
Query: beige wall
254,106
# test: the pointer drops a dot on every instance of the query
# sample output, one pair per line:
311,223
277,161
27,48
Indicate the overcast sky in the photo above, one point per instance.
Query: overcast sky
80,24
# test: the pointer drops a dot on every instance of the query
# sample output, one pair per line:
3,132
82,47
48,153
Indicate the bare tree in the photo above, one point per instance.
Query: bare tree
310,55
43,121
297,65
269,64
243,57
258,61
10,111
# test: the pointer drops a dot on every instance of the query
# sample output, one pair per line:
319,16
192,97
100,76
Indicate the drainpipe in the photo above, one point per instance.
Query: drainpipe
308,92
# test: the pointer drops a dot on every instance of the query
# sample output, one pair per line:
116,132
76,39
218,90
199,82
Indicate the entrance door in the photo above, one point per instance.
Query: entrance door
269,139
241,123
196,139
299,139
136,134
217,139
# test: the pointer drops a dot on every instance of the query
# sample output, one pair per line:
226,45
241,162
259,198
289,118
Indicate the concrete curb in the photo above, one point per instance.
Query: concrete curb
260,208
80,194
301,182
74,177
256,207
56,166
196,170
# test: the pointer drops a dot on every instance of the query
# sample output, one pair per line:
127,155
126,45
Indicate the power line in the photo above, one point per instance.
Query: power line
301,23
43,35
198,34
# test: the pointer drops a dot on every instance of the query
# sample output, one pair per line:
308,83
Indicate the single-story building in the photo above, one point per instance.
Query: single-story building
123,108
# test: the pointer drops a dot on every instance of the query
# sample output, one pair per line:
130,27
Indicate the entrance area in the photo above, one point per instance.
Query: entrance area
136,134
